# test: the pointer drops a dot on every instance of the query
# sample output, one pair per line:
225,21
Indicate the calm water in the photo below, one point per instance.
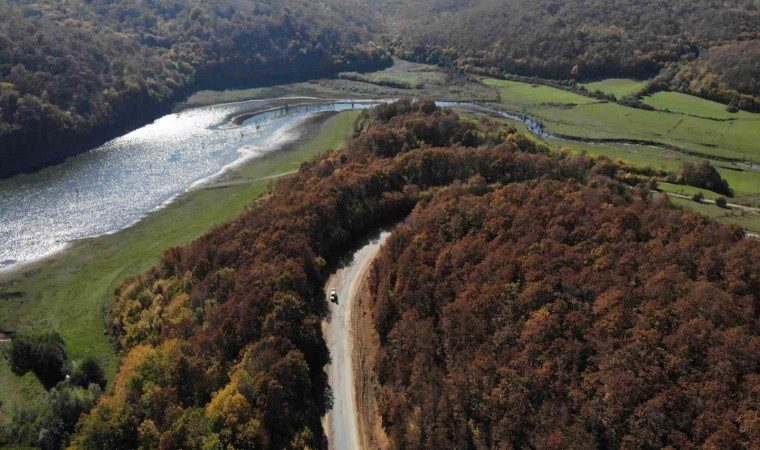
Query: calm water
113,186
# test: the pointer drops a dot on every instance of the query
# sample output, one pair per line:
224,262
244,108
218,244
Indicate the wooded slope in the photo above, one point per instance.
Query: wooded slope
562,315
73,73
714,41
546,310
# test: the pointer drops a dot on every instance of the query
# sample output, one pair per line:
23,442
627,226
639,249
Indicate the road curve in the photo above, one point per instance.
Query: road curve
341,423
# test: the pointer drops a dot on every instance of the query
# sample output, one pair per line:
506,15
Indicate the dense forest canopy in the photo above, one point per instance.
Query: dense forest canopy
555,315
715,42
224,335
76,70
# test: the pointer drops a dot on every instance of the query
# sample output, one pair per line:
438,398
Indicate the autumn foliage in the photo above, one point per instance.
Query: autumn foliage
562,315
222,341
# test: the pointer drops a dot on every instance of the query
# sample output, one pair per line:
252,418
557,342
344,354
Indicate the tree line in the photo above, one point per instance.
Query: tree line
73,73
557,314
706,47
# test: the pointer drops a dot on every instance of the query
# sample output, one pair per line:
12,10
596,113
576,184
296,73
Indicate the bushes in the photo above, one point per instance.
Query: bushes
703,175
43,354
89,372
48,426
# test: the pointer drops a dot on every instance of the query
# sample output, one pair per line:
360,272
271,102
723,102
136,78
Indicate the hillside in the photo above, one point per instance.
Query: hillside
75,73
587,39
224,334
566,315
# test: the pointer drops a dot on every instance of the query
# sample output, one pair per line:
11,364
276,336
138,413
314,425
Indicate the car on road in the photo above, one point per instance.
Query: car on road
334,296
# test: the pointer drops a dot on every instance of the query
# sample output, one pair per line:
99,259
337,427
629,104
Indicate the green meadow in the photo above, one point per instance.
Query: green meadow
748,220
570,114
687,190
619,87
744,180
515,93
689,104
70,291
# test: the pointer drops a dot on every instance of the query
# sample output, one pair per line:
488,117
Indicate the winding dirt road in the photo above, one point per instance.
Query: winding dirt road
341,424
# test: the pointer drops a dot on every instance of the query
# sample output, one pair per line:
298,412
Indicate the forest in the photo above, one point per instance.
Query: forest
554,314
707,47
221,342
541,290
75,73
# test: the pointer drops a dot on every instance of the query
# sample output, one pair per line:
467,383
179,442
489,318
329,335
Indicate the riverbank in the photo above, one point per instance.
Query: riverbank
425,81
69,291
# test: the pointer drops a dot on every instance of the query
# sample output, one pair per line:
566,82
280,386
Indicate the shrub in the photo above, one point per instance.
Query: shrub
698,197
703,175
721,202
44,354
89,372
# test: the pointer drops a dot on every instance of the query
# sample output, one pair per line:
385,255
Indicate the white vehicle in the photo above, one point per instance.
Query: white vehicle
334,296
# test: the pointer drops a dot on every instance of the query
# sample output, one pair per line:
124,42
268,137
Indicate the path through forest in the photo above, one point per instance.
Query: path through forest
341,423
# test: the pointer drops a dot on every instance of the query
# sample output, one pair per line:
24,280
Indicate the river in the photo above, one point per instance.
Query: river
112,186
115,185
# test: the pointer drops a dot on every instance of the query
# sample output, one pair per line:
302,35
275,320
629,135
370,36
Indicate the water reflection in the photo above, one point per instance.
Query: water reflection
116,184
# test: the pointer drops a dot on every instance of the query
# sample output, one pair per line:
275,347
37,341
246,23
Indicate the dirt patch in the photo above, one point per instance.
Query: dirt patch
366,348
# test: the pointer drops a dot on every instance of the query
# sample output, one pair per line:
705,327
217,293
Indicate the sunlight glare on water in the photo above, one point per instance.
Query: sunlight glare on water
114,185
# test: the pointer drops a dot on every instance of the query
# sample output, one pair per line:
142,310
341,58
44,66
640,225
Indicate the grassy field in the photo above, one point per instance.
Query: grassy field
742,179
619,87
687,190
689,104
748,220
434,82
68,292
525,94
573,115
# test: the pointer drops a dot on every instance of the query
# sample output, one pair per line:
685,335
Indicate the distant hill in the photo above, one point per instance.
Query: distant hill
74,73
711,44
